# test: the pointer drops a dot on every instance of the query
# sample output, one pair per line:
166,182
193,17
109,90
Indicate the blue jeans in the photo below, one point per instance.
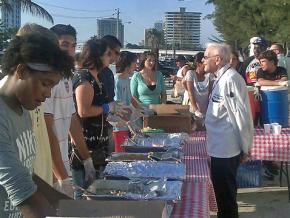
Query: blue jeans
78,176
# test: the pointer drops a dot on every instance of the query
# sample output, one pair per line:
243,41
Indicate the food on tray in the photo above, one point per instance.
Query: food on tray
128,156
151,130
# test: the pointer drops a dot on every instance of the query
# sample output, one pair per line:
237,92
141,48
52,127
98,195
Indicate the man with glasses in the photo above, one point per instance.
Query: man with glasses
107,78
229,127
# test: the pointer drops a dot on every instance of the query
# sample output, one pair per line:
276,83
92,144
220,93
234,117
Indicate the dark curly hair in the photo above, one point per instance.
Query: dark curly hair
143,58
36,48
62,29
269,55
125,60
91,54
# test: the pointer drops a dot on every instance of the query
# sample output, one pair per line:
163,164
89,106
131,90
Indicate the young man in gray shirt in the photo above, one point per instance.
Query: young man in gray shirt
33,65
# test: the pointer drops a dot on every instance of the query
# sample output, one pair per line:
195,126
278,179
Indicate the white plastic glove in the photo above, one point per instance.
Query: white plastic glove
283,83
198,114
195,112
65,187
90,172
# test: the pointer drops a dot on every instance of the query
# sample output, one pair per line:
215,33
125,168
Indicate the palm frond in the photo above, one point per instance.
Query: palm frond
35,9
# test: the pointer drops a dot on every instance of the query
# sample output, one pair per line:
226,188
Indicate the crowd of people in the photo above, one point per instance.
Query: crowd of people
55,105
54,108
216,82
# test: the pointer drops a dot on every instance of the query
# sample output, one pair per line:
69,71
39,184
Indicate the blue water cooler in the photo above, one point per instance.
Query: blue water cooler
274,105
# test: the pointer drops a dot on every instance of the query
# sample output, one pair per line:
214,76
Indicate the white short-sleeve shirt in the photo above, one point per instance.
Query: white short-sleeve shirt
61,106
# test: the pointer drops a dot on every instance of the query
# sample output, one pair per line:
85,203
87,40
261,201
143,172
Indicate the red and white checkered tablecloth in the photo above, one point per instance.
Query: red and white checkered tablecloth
265,146
198,196
194,201
196,161
196,146
270,146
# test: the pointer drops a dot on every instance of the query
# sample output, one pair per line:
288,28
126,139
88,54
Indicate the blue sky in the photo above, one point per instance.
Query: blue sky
82,14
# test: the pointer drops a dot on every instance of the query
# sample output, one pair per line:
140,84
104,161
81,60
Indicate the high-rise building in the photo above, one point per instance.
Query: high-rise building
182,29
11,18
108,26
158,25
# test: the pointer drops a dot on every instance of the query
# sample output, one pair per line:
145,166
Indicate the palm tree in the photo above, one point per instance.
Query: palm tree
29,6
155,40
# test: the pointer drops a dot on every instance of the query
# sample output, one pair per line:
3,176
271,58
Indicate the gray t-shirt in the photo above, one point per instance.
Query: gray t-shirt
17,153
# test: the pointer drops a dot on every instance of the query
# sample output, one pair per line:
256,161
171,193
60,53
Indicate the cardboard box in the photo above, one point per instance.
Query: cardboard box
113,209
169,123
169,108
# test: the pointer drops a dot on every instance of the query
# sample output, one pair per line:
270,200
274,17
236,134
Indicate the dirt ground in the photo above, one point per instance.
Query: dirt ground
269,201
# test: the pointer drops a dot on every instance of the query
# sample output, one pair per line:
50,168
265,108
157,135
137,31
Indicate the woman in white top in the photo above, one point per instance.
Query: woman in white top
198,84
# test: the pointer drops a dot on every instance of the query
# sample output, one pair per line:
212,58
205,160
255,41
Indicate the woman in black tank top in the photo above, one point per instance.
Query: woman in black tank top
90,101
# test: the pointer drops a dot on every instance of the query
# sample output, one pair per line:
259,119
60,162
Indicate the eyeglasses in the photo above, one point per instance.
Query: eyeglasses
208,57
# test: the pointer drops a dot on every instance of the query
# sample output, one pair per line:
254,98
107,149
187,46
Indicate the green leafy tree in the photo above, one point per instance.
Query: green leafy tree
239,20
133,46
28,6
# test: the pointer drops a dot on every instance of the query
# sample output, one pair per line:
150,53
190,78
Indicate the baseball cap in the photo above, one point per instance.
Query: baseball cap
259,41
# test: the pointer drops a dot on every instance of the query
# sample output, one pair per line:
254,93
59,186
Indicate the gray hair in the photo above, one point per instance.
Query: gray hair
223,50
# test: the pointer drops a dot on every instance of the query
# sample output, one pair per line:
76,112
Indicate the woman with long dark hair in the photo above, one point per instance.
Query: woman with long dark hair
147,85
90,98
198,87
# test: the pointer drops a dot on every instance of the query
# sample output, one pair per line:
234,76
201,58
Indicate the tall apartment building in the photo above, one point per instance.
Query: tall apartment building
182,29
158,25
108,26
12,19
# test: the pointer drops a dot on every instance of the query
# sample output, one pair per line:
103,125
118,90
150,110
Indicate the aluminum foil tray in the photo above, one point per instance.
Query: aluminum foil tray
137,189
170,155
146,169
175,140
